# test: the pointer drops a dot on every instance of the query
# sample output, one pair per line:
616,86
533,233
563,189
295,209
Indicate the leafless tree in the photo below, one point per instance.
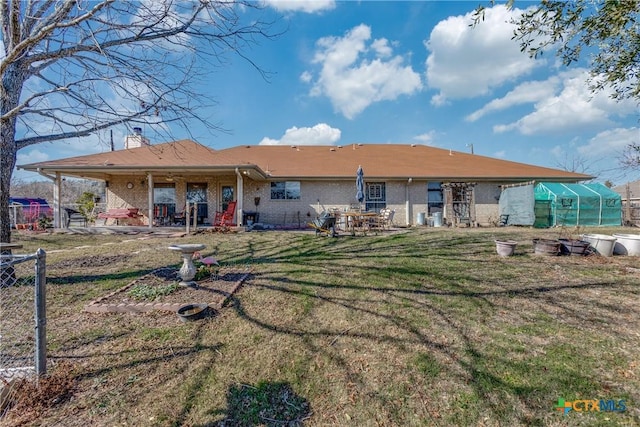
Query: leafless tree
576,163
70,68
630,158
73,189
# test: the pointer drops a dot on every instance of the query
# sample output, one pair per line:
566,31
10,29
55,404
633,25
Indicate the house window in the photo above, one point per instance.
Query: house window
435,199
376,196
285,190
164,202
164,193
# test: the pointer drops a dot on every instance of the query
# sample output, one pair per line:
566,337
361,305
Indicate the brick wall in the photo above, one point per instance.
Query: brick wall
487,196
315,196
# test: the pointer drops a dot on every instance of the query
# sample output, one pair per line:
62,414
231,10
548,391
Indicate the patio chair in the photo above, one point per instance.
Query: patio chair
225,218
180,218
385,219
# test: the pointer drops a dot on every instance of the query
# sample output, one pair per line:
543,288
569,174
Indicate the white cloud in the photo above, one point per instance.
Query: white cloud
500,154
426,138
306,6
526,93
382,48
306,77
32,156
609,142
564,104
320,134
355,73
558,151
465,61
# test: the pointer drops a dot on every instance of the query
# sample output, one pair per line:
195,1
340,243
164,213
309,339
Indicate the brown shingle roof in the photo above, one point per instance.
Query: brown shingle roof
384,161
183,153
388,161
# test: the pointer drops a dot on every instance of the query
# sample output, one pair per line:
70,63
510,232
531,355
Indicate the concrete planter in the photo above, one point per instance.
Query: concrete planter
506,247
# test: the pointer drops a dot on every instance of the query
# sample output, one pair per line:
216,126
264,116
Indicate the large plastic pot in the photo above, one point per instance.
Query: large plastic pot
437,219
602,243
627,244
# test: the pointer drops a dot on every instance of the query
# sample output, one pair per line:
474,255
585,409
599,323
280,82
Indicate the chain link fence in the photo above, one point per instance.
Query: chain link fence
22,319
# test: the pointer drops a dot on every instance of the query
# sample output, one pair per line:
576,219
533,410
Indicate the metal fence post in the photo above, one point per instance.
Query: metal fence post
41,313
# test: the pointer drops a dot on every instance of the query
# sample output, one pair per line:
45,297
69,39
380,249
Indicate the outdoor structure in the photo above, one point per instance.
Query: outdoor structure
25,212
517,205
558,204
291,185
630,194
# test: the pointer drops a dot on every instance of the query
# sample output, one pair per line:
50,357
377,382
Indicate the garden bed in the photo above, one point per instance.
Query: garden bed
159,290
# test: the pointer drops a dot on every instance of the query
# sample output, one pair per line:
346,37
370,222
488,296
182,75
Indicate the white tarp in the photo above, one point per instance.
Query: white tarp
519,203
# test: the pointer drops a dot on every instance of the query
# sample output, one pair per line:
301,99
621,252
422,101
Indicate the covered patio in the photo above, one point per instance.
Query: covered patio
156,186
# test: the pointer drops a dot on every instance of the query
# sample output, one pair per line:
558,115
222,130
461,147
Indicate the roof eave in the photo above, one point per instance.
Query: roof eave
140,169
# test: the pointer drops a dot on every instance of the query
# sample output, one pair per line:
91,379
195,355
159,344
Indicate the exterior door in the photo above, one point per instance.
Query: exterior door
228,194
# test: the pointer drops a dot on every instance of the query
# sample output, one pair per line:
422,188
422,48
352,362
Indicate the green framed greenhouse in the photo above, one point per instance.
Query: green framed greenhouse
558,204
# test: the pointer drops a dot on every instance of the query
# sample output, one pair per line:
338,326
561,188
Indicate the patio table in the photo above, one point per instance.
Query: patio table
358,221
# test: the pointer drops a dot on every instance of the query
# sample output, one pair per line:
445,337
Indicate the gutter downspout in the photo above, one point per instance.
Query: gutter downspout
408,202
240,205
57,209
150,198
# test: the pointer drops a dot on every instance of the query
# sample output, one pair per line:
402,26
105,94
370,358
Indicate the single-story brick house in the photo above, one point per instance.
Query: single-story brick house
290,185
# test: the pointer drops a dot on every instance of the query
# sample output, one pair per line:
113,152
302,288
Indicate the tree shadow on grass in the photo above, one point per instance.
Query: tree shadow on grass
265,404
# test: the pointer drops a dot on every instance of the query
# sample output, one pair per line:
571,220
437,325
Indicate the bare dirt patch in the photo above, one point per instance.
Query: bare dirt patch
90,261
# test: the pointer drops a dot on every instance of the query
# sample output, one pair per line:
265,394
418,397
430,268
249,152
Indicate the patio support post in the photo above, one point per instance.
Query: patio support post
150,198
57,209
240,205
56,201
408,203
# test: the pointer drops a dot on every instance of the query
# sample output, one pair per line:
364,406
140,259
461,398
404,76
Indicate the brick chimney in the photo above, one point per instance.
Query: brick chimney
136,140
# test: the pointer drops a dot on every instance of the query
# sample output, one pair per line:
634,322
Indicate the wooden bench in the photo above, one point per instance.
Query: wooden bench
121,213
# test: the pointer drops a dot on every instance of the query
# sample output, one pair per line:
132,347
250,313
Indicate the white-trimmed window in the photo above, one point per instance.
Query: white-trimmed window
376,193
285,190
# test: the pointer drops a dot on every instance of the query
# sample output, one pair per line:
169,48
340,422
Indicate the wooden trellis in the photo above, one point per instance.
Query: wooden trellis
459,198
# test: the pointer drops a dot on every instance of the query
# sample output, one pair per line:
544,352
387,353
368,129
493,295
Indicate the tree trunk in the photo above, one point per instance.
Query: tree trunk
7,163
12,81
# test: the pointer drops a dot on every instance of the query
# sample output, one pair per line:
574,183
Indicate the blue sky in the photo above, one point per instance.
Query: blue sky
403,72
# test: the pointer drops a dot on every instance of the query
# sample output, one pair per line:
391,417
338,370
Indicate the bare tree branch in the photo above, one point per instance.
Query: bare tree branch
72,68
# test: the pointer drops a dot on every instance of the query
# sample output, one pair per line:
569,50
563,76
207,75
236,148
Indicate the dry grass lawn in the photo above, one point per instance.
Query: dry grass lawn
422,327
